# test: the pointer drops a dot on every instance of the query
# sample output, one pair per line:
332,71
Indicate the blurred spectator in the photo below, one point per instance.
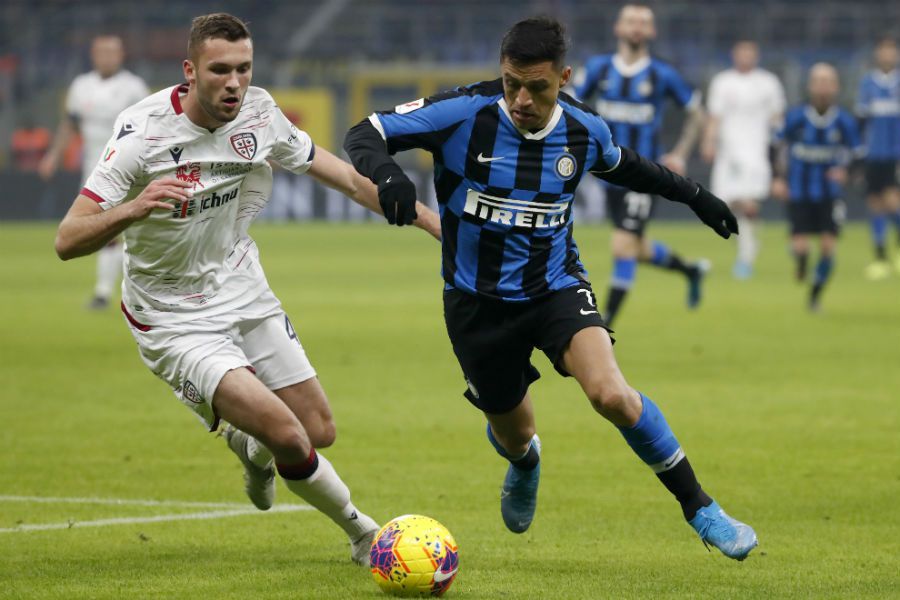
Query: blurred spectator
29,144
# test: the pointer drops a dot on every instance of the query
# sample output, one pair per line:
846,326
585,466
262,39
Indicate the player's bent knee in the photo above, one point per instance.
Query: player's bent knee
323,435
517,439
610,400
287,442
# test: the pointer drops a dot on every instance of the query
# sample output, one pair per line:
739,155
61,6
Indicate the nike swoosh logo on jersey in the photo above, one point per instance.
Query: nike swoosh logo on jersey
589,312
441,576
486,159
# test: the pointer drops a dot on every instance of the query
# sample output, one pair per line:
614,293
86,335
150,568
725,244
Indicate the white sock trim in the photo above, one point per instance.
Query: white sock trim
669,463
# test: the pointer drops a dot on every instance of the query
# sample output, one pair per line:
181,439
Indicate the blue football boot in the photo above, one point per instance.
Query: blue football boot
695,282
518,497
733,538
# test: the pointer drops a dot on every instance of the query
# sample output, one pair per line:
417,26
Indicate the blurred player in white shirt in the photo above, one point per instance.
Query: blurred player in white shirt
745,103
93,102
182,177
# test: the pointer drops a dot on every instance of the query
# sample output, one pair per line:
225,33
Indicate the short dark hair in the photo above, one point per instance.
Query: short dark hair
886,41
642,5
534,40
215,26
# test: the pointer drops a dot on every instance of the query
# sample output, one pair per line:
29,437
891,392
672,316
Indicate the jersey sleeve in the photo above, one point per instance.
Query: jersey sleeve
73,101
779,100
426,123
864,99
792,120
292,149
678,89
119,168
586,79
608,154
852,137
715,100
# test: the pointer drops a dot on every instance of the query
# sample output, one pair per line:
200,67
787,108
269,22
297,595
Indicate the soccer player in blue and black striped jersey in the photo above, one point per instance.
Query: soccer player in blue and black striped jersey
822,139
508,155
630,89
878,107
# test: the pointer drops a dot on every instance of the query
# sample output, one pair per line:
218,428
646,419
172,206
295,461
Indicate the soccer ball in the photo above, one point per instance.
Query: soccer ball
414,556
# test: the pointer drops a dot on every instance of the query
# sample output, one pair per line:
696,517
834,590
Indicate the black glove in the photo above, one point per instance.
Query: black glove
714,212
396,195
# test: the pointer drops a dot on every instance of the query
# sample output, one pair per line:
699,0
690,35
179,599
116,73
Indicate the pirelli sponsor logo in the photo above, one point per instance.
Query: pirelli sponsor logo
516,213
884,107
818,154
633,113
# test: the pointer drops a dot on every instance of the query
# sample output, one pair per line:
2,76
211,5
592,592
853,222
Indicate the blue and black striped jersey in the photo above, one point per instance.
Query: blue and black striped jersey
879,107
817,142
631,98
505,196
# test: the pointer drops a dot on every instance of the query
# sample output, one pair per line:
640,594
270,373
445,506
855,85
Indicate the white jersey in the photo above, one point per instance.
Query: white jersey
196,261
747,104
95,102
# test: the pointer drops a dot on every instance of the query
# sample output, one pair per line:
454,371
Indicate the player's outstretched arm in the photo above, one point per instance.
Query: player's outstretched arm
86,227
329,170
641,175
370,157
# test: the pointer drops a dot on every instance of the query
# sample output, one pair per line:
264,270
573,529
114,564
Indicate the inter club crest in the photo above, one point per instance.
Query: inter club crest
244,144
566,166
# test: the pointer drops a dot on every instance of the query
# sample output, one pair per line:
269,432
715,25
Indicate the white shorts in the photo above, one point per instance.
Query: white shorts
740,179
194,359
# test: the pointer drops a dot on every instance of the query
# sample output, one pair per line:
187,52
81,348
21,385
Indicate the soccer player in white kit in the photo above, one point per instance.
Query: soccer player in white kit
93,102
745,104
181,178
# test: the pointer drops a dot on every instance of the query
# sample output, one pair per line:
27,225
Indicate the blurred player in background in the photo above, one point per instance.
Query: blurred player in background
745,104
182,177
631,88
93,102
508,156
821,140
878,107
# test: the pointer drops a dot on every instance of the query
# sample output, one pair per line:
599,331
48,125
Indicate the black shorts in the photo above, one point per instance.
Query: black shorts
493,340
880,175
629,211
825,216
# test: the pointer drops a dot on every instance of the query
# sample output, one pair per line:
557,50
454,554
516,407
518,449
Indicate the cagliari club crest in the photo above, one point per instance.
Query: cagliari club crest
244,144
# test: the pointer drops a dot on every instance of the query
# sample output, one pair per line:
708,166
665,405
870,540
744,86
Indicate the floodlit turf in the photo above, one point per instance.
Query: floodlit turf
790,420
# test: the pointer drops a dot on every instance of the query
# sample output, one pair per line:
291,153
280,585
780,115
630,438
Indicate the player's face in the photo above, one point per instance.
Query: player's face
220,74
635,26
107,55
531,91
745,56
824,85
886,57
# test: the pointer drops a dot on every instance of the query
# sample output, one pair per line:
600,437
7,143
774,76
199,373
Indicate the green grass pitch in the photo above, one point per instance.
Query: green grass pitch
790,420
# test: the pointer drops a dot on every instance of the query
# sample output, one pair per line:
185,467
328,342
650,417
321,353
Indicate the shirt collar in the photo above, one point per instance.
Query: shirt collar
631,70
537,135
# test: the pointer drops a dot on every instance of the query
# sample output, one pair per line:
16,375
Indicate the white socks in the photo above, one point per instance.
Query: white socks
325,491
748,245
109,269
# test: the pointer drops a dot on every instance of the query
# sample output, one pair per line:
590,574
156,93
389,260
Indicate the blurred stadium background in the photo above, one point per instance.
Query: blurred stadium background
791,417
329,63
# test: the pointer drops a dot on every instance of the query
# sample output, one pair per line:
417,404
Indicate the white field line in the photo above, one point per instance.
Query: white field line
121,502
215,514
